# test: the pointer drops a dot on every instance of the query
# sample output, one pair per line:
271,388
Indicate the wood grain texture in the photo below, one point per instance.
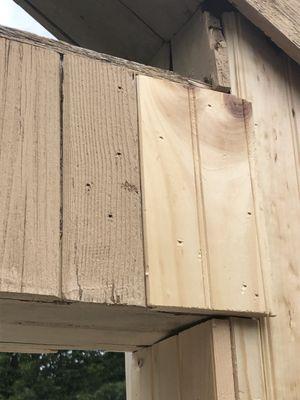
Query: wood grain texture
278,19
232,250
247,359
193,365
165,367
30,170
199,51
265,76
172,245
205,362
196,363
139,375
192,142
102,242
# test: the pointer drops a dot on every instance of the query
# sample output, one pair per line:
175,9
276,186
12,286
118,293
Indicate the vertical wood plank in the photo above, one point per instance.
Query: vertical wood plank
165,365
172,245
205,362
247,359
222,357
195,364
139,373
102,241
259,73
30,170
233,254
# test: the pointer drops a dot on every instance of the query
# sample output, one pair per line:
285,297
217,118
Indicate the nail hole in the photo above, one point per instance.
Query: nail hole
110,215
209,105
161,137
120,87
249,213
180,242
118,154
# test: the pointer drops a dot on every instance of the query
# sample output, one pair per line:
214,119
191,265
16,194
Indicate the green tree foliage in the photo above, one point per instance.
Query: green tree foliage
66,375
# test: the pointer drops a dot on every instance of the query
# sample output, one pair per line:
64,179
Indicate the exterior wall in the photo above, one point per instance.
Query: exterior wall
262,74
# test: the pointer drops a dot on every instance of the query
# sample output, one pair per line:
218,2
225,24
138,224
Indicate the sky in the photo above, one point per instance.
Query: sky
15,17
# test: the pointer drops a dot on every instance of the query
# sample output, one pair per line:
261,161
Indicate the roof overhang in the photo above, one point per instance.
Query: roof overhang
137,29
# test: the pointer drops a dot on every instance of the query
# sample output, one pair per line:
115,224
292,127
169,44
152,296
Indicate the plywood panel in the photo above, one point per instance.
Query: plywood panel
172,245
247,359
102,242
30,170
260,73
233,254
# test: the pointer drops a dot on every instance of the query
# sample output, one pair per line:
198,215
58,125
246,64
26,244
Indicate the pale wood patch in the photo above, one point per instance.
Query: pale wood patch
264,76
172,245
232,249
193,365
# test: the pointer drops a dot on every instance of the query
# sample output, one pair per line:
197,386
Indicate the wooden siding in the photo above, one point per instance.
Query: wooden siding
262,74
109,129
195,364
30,170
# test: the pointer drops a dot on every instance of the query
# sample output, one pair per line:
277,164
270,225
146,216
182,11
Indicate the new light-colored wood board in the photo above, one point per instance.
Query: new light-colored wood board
139,375
199,220
278,19
229,215
264,75
172,244
30,170
195,364
102,243
165,370
247,359
206,362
